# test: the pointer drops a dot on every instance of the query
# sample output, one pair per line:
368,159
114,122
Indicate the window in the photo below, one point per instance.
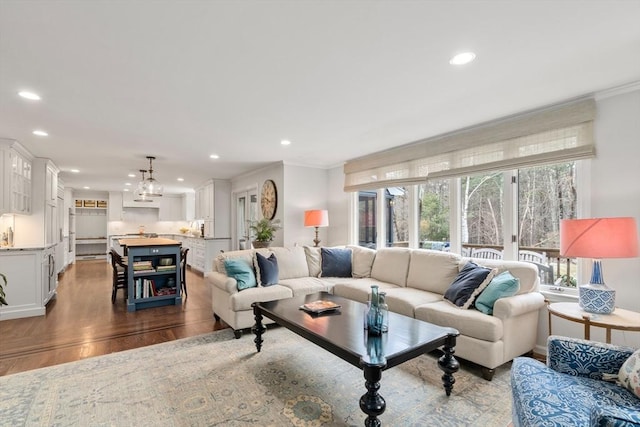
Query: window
433,214
546,194
397,203
367,218
481,215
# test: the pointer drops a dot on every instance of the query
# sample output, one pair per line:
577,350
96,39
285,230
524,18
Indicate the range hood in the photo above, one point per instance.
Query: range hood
128,201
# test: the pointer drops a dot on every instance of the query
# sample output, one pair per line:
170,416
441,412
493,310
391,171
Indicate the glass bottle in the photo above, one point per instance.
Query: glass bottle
374,319
384,311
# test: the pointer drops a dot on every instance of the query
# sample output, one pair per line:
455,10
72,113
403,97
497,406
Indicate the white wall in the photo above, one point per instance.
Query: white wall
615,191
338,202
306,188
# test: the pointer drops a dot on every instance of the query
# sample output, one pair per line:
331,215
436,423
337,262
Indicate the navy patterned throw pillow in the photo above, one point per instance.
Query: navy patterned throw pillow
268,269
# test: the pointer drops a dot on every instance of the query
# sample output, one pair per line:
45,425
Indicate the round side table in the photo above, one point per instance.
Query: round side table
620,319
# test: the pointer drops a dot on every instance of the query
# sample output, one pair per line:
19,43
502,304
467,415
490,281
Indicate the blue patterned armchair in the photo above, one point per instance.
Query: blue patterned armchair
569,390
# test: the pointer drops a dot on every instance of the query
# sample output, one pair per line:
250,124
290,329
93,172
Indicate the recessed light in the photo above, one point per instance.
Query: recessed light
126,189
127,183
214,156
29,95
40,133
75,171
462,58
86,188
180,179
285,142
132,175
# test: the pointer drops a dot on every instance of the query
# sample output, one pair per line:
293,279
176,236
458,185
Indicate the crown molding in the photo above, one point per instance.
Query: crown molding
618,90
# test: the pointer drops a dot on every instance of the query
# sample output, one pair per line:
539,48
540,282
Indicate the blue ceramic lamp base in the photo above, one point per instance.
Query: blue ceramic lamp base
596,297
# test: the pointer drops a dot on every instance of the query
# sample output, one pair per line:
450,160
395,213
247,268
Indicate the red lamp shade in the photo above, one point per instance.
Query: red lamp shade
599,238
316,218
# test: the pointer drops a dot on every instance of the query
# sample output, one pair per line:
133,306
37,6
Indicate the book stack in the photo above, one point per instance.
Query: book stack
166,268
145,288
143,267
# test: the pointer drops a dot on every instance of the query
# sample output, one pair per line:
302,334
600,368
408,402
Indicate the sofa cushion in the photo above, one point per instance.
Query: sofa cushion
361,261
313,260
405,300
242,271
306,285
359,289
243,300
526,272
292,262
502,285
432,271
471,323
336,262
391,265
268,269
629,375
218,262
468,284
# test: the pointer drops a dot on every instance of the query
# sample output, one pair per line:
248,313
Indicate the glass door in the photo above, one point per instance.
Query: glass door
246,212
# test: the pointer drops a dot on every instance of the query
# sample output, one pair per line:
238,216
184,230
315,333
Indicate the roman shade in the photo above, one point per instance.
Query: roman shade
550,135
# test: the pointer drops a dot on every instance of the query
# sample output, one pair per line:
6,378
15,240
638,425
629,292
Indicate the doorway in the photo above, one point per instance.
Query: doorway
246,212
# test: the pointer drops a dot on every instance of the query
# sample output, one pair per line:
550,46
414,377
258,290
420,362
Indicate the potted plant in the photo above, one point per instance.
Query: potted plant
264,230
3,283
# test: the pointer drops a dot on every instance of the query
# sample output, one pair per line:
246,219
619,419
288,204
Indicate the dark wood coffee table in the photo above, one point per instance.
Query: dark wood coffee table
342,333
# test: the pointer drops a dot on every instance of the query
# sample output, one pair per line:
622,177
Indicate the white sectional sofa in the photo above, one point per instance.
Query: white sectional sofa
415,281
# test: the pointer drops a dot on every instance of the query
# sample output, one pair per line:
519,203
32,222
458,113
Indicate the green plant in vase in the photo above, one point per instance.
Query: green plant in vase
3,283
264,232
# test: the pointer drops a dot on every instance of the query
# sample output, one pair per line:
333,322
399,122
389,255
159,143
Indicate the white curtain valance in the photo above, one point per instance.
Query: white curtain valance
550,135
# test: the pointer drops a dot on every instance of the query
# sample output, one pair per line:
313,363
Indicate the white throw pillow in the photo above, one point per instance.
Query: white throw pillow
629,374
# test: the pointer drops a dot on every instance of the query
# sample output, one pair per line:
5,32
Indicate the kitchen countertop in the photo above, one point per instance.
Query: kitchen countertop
24,248
149,241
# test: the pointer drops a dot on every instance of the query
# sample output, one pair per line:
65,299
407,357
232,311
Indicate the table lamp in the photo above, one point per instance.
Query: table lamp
598,238
316,218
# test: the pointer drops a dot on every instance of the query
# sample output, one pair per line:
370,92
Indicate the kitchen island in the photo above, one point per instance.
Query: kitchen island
154,272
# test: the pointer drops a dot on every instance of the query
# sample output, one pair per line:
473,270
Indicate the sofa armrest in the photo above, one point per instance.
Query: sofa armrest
222,281
614,416
574,356
518,304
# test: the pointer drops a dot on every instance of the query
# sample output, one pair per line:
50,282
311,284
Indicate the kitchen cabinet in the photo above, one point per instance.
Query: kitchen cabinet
213,206
15,174
170,208
59,237
188,206
30,286
49,274
114,209
203,251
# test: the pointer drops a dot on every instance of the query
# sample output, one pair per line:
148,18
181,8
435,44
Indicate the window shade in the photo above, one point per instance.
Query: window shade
550,135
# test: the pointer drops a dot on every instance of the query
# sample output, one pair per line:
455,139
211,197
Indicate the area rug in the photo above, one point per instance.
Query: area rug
216,380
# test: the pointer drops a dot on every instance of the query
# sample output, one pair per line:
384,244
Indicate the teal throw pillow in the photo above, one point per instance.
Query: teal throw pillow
268,269
240,270
501,286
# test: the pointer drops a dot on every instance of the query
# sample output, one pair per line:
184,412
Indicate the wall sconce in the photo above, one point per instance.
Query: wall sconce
316,218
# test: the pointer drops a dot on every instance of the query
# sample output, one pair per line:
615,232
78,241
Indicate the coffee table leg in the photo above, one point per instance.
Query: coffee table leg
258,328
448,363
371,402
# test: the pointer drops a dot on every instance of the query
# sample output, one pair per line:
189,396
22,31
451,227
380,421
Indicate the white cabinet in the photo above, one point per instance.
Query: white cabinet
15,174
114,212
203,251
188,206
24,277
213,206
49,275
170,208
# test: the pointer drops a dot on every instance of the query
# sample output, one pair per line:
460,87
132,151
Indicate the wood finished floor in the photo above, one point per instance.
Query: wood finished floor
81,322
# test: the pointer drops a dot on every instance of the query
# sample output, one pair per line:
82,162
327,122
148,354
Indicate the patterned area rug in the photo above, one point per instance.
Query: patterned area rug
215,380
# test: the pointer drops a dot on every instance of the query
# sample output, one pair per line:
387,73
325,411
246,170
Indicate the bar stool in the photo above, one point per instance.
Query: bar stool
120,275
183,270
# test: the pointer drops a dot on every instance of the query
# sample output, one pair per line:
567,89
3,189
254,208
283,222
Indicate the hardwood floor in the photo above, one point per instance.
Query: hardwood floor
81,322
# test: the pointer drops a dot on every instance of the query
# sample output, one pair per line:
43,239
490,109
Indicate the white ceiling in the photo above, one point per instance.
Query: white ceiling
181,80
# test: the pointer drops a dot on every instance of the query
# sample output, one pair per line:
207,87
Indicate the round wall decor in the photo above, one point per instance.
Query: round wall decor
269,199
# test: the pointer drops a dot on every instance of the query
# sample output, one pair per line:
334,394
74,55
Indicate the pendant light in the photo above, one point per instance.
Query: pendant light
150,187
141,196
